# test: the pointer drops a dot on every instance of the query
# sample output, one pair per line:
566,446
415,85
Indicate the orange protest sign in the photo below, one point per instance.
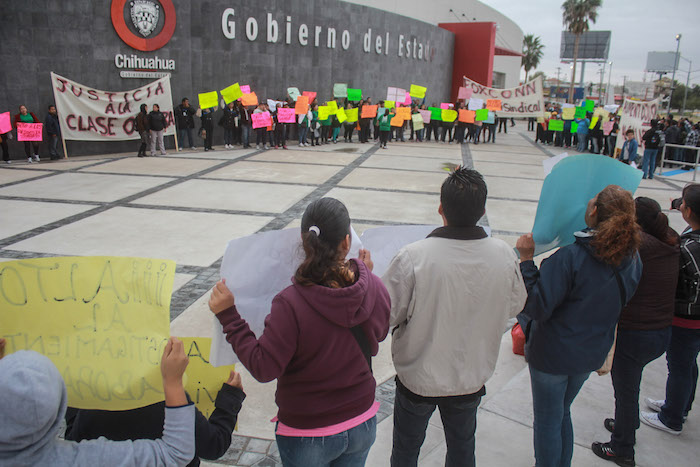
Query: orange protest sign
369,111
493,104
466,116
404,112
249,99
302,105
397,121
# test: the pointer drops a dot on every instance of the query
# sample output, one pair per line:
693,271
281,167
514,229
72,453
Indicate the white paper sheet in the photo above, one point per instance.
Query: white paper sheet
476,104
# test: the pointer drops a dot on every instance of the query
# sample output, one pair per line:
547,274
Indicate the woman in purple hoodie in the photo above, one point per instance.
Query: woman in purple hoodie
318,341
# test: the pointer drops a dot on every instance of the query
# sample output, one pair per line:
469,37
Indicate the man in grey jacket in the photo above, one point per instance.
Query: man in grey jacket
33,405
451,295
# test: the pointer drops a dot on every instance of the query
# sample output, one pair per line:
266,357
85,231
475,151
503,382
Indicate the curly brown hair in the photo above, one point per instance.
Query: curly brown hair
617,232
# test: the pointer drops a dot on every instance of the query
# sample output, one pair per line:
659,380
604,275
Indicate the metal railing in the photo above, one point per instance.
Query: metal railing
677,162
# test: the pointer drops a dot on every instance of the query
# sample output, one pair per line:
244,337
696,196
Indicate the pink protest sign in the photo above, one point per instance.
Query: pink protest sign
408,99
261,120
310,94
245,89
285,115
464,93
445,105
607,127
5,124
29,131
426,114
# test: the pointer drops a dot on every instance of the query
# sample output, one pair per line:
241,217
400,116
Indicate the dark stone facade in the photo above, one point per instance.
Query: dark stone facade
76,39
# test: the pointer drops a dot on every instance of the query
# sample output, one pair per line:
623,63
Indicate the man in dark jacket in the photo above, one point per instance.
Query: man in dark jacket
53,129
673,136
142,128
184,118
212,437
157,125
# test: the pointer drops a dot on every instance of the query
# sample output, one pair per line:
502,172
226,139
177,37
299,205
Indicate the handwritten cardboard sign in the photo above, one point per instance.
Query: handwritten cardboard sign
354,94
397,121
580,112
340,90
369,111
231,93
475,104
30,131
245,89
351,115
332,107
323,112
5,125
556,125
203,380
426,114
607,127
261,119
249,99
285,115
417,91
493,104
207,100
293,93
404,112
302,105
466,116
417,121
340,115
568,113
103,321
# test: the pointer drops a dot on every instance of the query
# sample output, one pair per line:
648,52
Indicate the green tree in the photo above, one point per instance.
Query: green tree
532,52
577,14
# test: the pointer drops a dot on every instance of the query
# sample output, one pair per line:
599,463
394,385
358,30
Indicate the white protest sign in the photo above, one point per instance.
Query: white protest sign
526,100
636,116
88,114
475,104
260,266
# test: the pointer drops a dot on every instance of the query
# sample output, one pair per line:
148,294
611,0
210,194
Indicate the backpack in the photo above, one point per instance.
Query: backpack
654,139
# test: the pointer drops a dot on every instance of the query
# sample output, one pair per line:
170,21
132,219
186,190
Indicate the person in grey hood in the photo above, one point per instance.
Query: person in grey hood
34,401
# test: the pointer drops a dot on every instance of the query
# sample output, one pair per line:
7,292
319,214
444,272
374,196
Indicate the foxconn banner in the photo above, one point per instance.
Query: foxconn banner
88,114
636,116
526,100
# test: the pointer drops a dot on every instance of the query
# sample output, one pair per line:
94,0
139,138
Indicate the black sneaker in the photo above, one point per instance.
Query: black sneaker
609,424
604,451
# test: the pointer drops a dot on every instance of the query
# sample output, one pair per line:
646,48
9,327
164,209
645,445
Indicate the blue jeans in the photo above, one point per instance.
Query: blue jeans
303,129
552,396
245,134
582,142
411,420
682,381
347,449
633,351
181,134
649,162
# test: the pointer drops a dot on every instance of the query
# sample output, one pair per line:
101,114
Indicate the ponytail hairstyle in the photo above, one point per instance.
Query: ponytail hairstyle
653,221
691,198
324,225
617,233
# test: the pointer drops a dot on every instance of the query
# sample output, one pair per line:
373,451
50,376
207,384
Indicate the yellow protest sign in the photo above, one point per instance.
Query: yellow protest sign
332,107
232,93
351,114
103,321
417,91
203,380
208,100
389,104
594,122
340,114
449,115
568,113
323,112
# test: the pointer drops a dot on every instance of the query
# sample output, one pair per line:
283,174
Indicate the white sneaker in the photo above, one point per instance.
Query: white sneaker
652,419
179,149
29,159
8,162
193,147
257,146
36,157
654,404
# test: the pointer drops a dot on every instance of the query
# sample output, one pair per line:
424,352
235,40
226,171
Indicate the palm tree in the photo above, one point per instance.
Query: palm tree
532,53
576,15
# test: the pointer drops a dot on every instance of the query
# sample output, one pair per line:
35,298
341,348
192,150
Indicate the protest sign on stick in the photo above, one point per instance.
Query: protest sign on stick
103,321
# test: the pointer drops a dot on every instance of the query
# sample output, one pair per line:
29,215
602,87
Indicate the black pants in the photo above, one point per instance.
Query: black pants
633,351
347,135
503,123
260,136
28,148
531,122
281,134
210,137
5,150
384,134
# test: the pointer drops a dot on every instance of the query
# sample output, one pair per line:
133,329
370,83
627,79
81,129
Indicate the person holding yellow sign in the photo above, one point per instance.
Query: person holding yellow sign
34,401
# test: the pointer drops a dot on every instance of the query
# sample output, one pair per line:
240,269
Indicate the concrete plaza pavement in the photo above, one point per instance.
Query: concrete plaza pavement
187,205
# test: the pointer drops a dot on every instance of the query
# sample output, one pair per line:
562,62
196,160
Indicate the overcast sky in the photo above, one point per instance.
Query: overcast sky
638,26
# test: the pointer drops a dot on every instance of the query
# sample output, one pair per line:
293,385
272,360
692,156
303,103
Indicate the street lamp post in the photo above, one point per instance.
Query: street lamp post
607,97
675,66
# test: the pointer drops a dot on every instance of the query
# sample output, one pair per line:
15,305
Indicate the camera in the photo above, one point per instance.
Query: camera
676,203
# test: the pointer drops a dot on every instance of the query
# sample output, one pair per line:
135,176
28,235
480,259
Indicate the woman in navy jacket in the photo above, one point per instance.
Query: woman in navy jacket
574,302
